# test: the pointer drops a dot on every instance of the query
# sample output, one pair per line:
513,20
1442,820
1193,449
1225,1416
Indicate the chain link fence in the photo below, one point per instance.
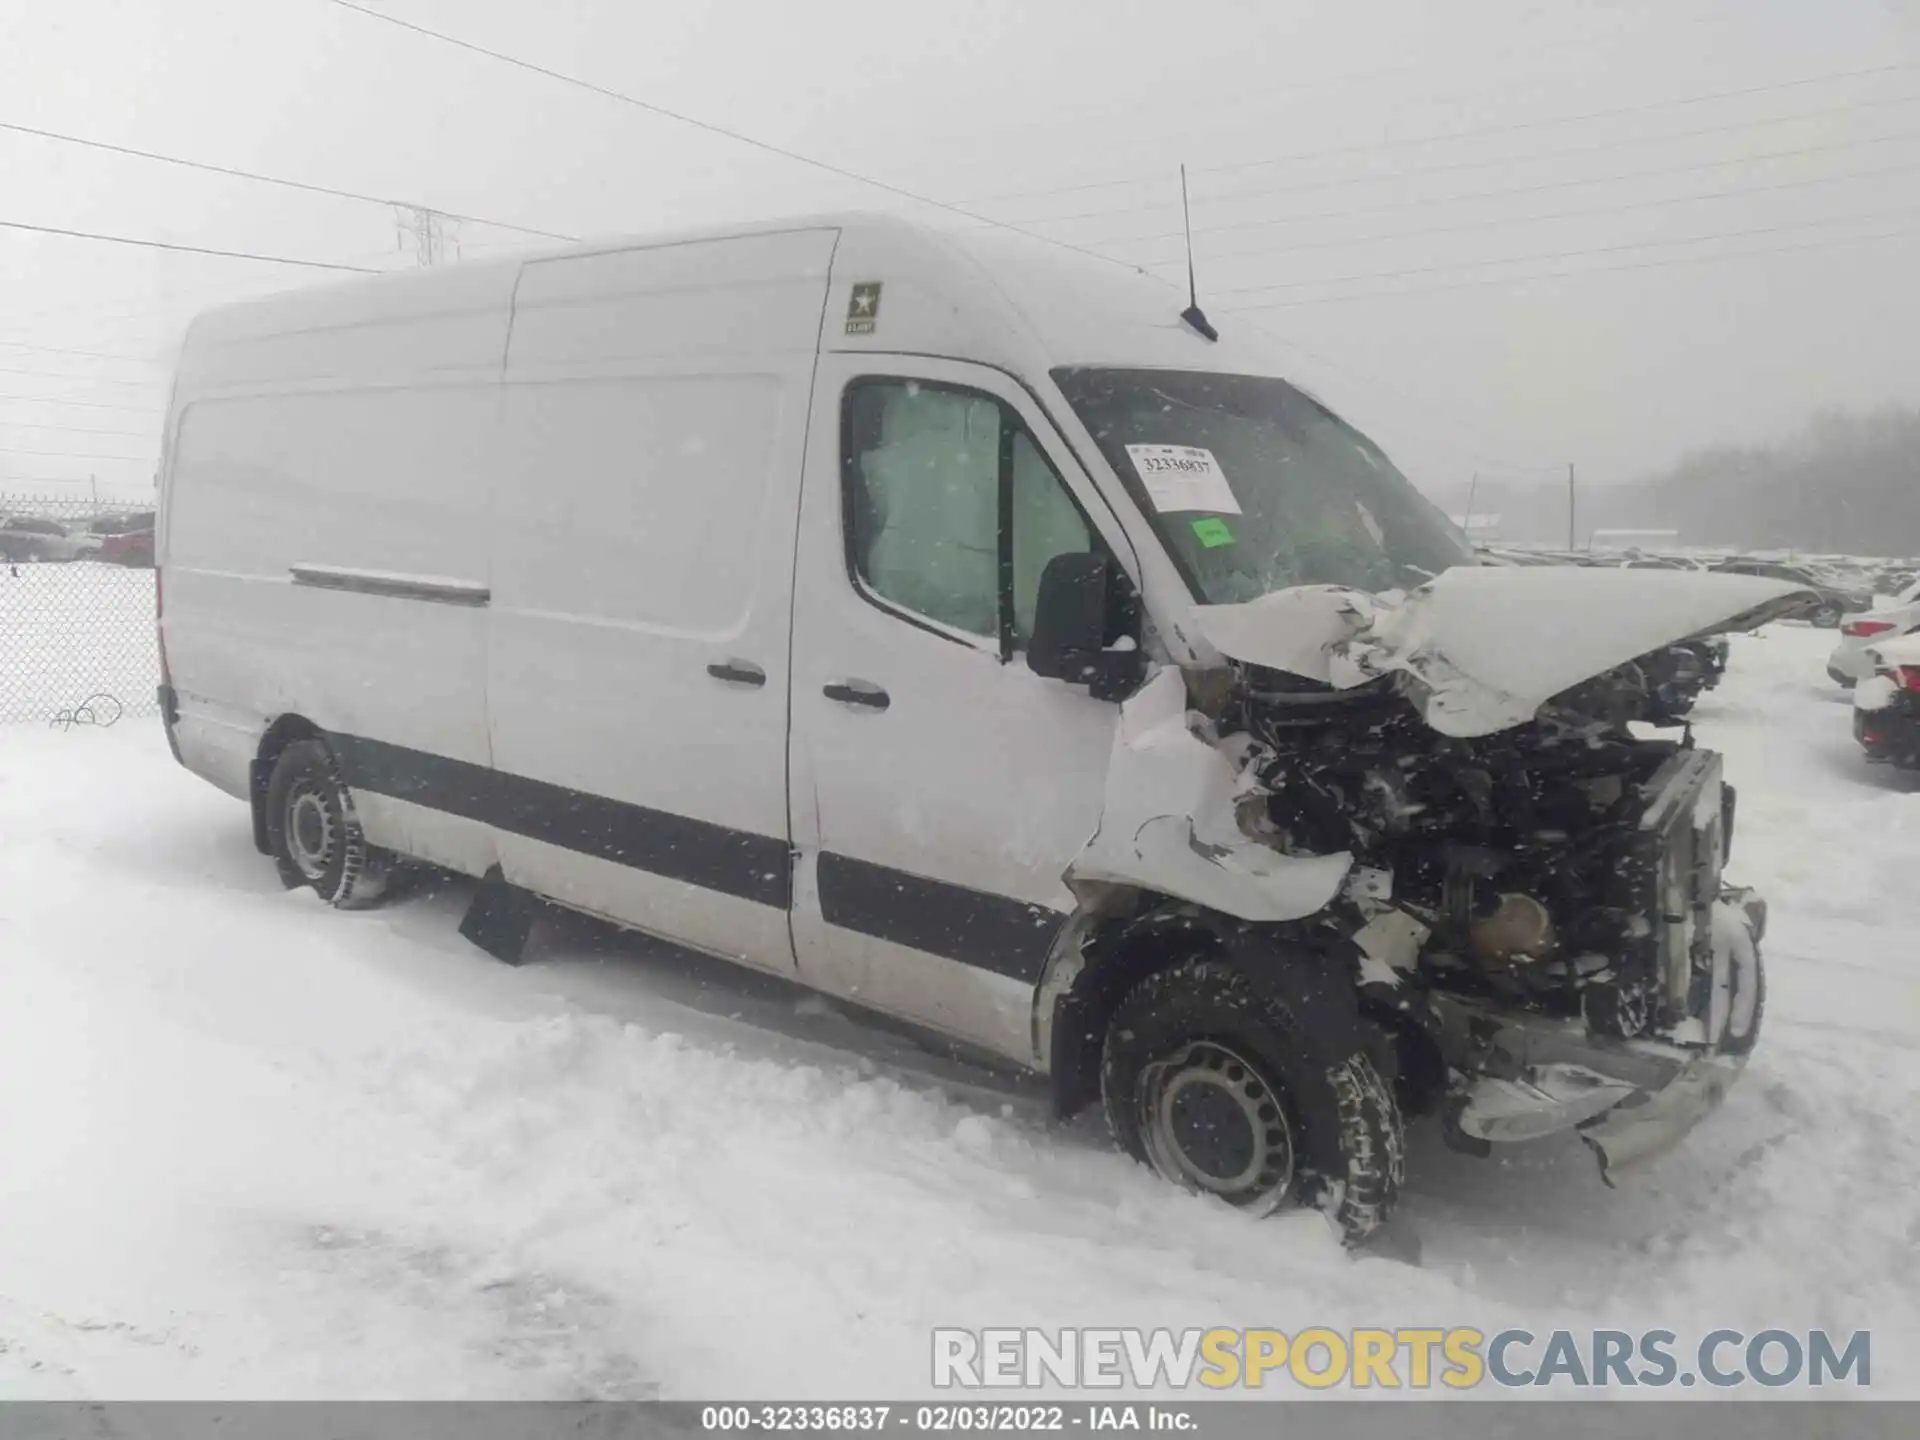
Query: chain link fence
76,610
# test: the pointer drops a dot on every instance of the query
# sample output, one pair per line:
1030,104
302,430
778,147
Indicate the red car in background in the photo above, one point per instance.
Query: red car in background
124,539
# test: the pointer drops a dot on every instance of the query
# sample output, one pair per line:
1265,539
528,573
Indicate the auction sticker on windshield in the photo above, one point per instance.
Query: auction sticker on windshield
1183,477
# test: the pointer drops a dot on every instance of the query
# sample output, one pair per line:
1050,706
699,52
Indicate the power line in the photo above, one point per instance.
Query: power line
45,480
711,128
1486,130
83,379
147,302
1454,421
1458,166
86,404
1345,81
1574,274
182,249
1506,193
1573,254
1738,192
1483,131
75,455
1624,143
280,180
76,430
90,354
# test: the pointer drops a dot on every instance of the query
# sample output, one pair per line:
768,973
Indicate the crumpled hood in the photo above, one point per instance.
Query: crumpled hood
1487,645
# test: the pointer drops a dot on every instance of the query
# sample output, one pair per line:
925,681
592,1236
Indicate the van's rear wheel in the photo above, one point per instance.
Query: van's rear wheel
314,835
1239,1090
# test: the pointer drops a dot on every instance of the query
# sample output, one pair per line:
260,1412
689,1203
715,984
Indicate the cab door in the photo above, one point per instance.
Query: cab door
940,787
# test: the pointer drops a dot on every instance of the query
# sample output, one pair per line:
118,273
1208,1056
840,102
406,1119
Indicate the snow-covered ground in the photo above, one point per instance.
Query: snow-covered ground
254,1148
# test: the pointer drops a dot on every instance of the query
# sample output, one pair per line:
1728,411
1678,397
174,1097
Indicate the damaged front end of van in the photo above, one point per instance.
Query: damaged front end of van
1448,789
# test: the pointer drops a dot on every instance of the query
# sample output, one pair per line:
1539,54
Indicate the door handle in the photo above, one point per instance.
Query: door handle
857,692
740,672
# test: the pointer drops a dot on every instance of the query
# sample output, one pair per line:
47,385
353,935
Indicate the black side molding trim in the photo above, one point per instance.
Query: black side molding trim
734,862
393,587
988,932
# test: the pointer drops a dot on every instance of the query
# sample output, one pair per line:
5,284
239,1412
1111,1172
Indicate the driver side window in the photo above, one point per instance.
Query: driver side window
952,509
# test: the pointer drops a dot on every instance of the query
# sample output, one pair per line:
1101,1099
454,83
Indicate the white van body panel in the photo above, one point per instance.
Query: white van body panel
653,435
935,833
488,528
347,430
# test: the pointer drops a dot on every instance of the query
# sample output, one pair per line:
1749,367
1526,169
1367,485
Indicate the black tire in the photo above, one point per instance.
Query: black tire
1295,1099
314,834
1827,617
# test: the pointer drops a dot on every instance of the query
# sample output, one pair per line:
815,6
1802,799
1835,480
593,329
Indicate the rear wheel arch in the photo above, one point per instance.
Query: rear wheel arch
313,829
280,734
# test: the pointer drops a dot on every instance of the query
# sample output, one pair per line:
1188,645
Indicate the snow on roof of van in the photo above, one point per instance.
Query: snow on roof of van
1088,311
989,294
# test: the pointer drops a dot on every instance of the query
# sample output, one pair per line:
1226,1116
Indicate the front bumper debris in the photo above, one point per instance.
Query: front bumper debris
1648,1125
1528,1076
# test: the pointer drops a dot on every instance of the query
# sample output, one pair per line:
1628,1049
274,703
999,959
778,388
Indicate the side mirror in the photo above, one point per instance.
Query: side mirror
1070,629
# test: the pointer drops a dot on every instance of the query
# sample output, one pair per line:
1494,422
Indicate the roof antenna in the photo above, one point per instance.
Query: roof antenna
1193,314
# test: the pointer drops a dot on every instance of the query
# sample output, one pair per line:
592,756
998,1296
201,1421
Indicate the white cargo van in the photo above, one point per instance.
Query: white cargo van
951,626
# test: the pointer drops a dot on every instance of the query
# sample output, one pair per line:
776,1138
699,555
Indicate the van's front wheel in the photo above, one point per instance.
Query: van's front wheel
314,835
1237,1090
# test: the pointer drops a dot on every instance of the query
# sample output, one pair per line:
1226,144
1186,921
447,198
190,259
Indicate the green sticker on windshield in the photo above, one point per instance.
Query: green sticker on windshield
1212,532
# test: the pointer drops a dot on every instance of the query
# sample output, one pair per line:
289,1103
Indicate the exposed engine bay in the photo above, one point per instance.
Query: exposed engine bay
1554,865
1482,793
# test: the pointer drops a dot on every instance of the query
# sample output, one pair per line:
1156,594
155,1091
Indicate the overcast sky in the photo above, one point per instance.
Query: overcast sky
1500,235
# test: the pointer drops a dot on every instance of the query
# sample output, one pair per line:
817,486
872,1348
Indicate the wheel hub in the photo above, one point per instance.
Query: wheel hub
1213,1123
309,833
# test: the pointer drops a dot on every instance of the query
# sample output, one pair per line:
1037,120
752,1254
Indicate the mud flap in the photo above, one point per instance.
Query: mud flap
501,917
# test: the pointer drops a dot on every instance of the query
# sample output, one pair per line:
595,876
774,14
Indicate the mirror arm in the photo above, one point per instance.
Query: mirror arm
1107,674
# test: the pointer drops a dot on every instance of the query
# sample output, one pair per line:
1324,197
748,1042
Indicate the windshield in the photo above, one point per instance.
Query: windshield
1254,487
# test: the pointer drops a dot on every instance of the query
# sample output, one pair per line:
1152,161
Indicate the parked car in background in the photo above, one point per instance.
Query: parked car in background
1851,660
32,537
1894,579
123,539
1833,603
1886,705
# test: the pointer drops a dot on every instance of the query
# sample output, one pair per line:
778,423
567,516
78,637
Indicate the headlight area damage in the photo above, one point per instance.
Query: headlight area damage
1445,788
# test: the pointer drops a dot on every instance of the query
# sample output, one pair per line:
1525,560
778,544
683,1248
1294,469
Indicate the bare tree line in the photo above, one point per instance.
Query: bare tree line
1846,482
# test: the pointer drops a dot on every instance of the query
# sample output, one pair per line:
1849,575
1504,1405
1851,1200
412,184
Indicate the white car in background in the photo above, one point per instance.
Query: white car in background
1851,661
35,538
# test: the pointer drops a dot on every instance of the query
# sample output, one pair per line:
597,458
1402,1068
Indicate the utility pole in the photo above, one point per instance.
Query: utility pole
1571,543
1472,485
427,231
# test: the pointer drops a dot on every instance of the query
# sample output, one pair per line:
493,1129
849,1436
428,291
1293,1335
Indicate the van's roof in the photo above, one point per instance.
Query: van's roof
989,294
